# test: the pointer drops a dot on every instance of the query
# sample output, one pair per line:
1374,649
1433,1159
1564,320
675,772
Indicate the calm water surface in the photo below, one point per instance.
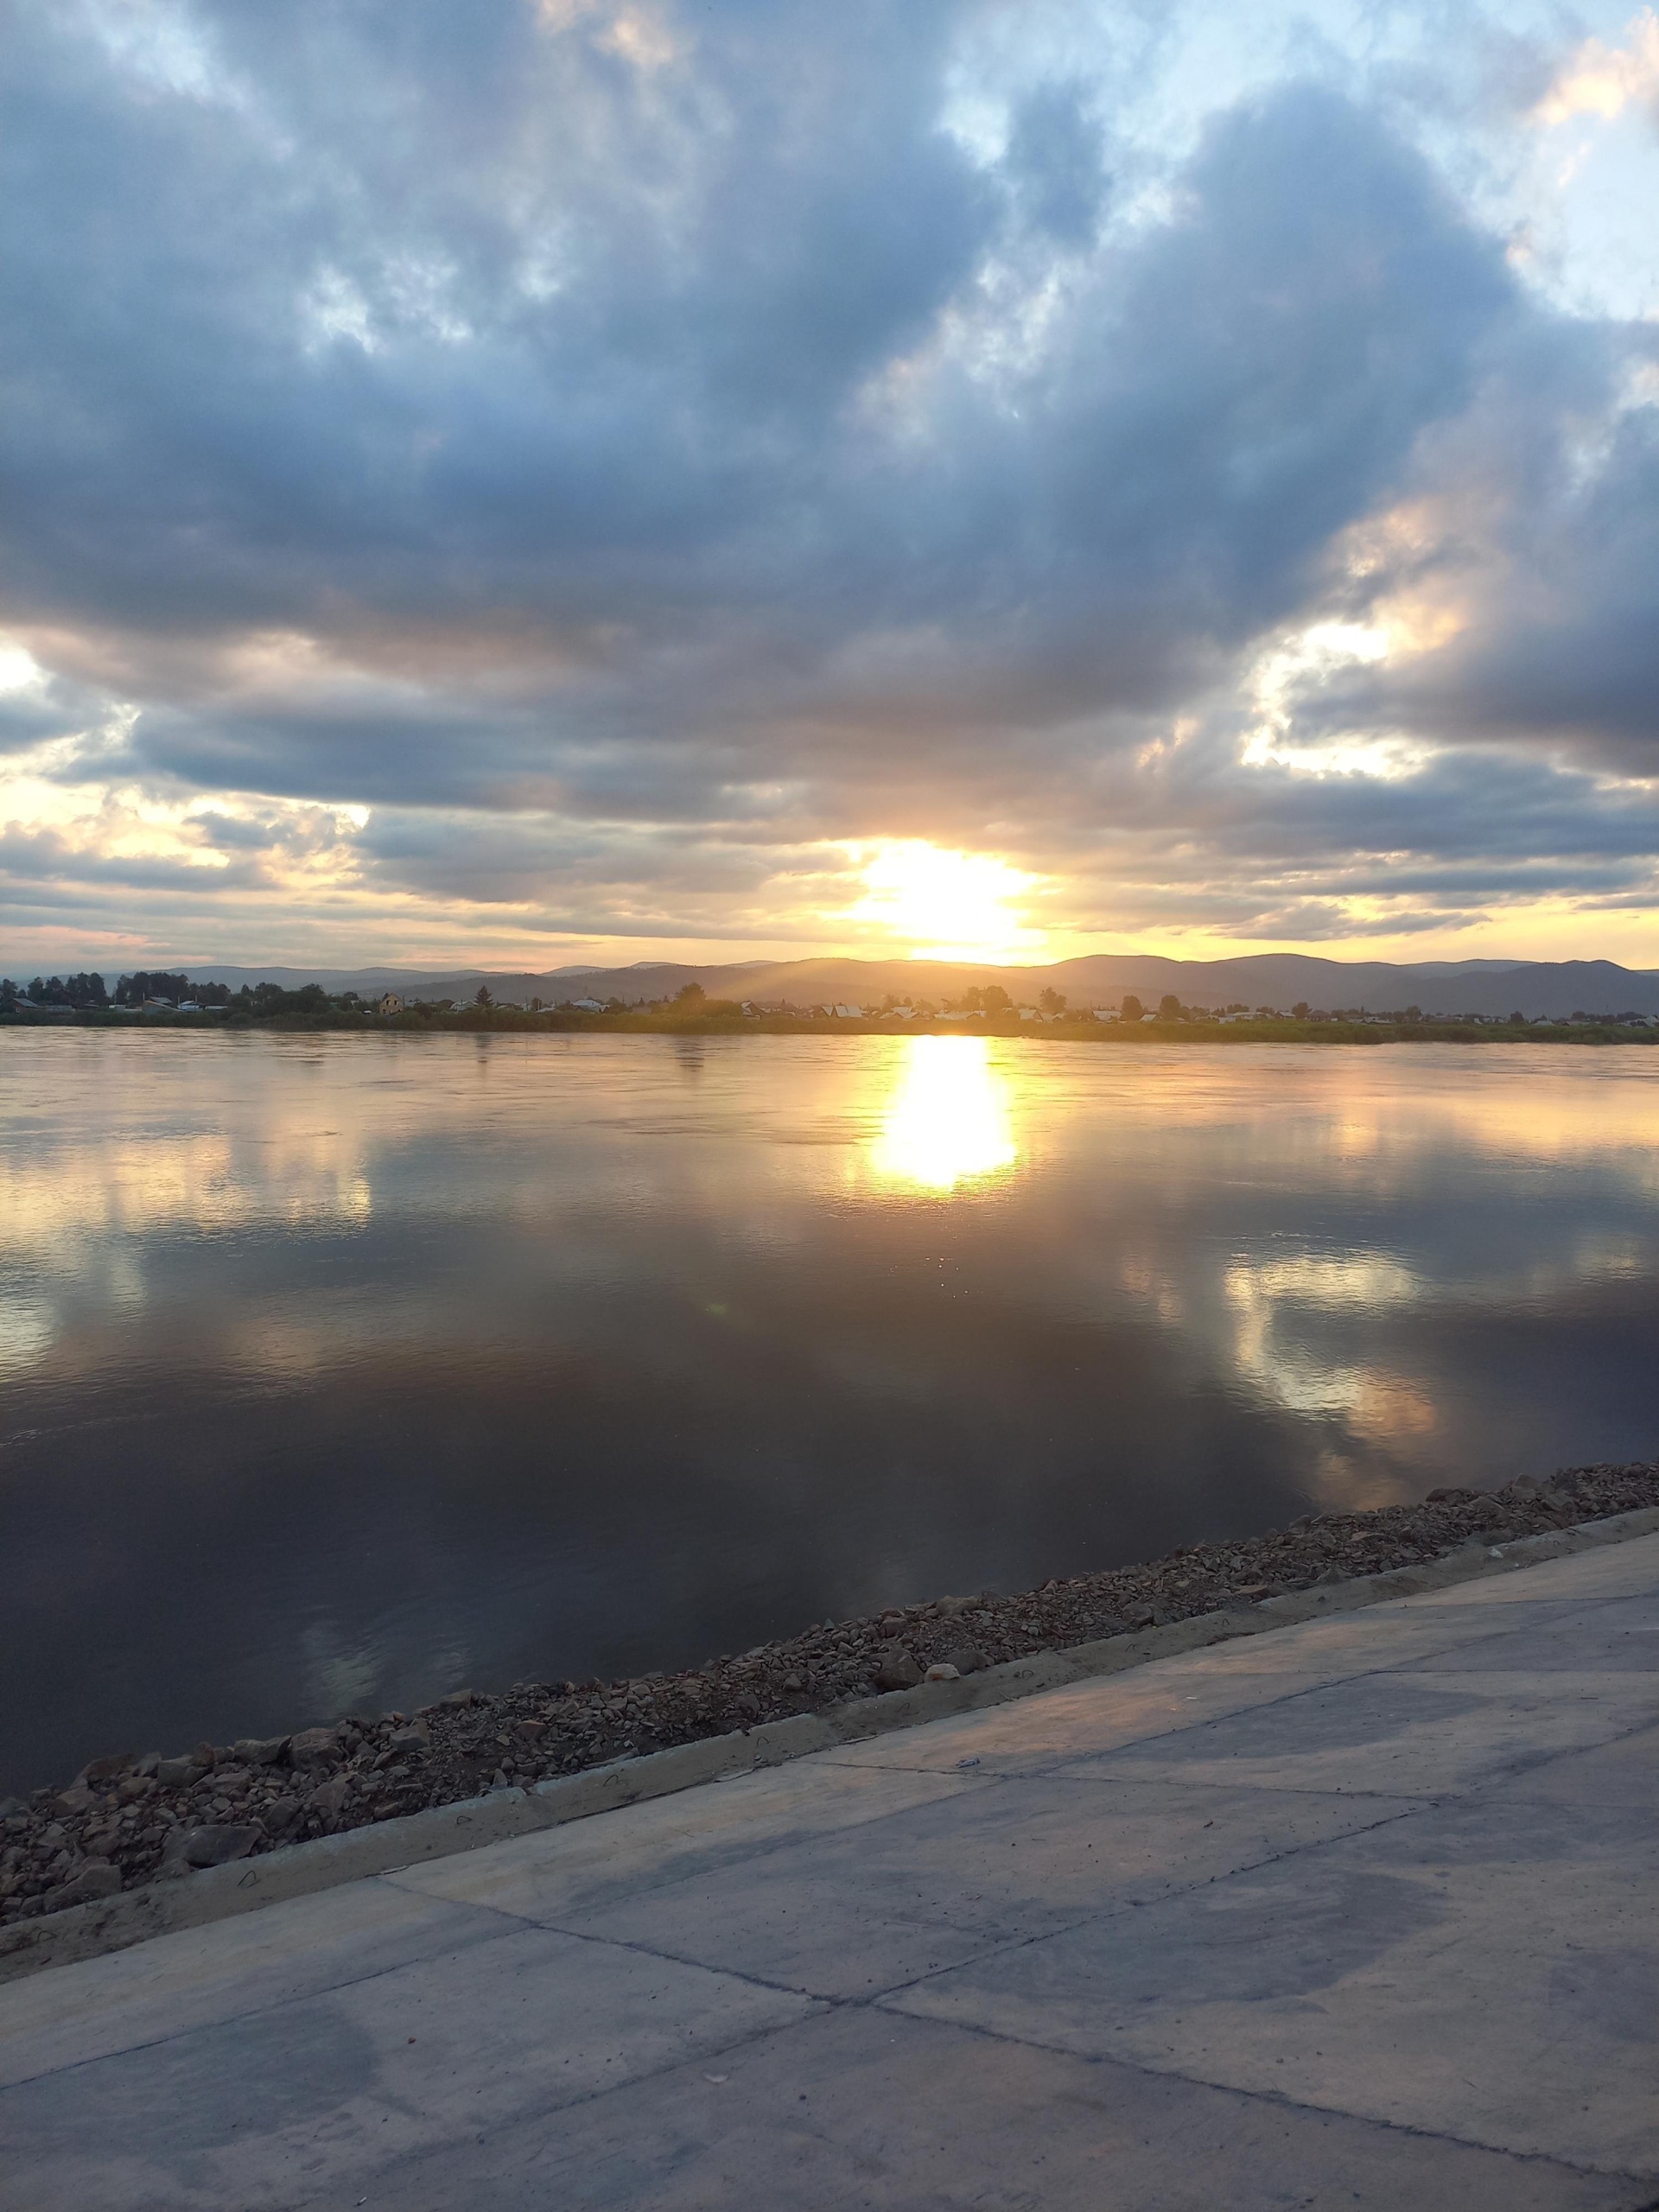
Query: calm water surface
337,1372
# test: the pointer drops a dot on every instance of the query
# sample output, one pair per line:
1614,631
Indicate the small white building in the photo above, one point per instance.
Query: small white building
390,1003
589,1005
849,1013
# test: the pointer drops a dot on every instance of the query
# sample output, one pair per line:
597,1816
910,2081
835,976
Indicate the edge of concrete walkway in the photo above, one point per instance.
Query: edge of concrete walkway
299,1870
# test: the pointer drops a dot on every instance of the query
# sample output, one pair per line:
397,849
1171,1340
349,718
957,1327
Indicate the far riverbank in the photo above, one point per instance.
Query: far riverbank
717,1021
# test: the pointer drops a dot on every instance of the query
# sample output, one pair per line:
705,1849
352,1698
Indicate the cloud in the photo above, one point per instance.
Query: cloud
1602,81
629,454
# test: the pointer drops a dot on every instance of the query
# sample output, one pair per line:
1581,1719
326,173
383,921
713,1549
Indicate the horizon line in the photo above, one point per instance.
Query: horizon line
175,963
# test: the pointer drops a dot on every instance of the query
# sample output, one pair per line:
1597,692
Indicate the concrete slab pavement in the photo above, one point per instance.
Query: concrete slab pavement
1363,1912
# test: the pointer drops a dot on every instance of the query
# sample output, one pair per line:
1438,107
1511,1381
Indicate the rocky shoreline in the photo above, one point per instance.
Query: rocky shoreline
136,1818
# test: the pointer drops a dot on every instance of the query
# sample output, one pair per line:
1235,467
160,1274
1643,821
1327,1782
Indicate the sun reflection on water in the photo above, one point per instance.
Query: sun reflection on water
947,1121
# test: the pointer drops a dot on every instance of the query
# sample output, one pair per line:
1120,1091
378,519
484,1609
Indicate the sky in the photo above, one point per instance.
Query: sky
545,481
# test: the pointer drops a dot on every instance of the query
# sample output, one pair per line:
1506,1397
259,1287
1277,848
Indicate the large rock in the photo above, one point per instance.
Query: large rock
281,1815
967,1659
188,1767
314,1747
97,1879
214,1845
896,1669
260,1750
97,1772
329,1797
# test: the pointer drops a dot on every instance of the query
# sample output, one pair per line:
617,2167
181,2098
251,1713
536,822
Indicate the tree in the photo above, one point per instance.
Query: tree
995,999
266,999
160,983
1132,1009
691,996
1169,1007
484,998
1517,1020
1052,1001
1299,1011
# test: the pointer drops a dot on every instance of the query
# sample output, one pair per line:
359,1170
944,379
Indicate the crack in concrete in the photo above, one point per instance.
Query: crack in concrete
1278,2097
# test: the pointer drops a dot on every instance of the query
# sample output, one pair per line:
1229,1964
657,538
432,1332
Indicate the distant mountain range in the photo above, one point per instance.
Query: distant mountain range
1275,979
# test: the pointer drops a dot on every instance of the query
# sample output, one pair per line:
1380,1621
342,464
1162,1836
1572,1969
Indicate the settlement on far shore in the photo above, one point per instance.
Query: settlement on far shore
988,1009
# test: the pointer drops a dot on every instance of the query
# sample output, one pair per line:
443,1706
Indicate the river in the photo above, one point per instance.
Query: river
338,1371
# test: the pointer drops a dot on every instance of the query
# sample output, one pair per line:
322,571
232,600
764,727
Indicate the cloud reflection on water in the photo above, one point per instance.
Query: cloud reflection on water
396,1361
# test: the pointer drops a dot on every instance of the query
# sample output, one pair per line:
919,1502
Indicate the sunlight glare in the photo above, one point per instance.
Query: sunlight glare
947,905
947,1119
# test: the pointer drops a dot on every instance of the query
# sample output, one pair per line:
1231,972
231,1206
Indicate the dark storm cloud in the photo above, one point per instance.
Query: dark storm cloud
1569,650
1055,163
663,417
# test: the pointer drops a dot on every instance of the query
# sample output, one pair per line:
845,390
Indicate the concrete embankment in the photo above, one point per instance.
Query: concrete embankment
1356,1910
131,1821
221,1881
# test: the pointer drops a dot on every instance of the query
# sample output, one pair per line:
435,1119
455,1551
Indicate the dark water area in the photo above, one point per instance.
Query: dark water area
336,1372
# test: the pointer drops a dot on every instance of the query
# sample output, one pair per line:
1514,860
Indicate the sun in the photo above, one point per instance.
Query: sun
945,905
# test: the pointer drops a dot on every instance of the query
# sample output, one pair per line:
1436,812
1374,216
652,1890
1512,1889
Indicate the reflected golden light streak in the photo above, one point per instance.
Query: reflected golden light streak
947,1121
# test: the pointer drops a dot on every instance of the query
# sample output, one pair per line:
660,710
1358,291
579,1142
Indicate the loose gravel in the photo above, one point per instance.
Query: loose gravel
135,1818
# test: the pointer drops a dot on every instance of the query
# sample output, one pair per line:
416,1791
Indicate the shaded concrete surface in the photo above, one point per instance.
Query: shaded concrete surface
1363,1912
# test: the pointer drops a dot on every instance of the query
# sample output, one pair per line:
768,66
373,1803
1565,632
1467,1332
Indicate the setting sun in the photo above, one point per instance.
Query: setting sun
946,905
